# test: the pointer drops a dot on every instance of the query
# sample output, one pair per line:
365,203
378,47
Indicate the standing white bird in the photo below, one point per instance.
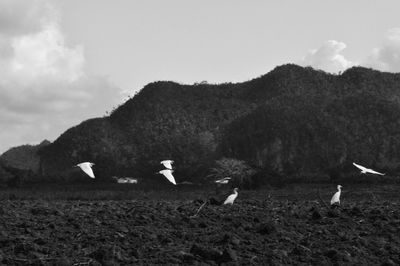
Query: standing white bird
223,181
87,168
167,164
231,198
365,170
168,174
336,197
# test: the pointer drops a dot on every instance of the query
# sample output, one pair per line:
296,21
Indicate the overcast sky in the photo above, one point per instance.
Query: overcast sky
64,61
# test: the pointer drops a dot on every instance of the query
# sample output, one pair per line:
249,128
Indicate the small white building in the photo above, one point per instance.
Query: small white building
125,180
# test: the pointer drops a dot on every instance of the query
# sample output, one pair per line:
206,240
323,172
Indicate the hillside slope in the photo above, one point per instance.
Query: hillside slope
164,120
353,117
23,157
292,120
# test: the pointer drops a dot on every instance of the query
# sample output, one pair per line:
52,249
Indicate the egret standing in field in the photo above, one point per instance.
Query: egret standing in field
168,174
231,198
87,168
167,164
335,201
365,170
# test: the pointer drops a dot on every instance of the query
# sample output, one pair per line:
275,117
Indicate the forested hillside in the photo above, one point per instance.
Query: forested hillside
322,123
23,157
291,121
164,120
21,163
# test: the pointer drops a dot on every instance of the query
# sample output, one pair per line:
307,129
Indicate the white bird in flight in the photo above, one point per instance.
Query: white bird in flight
87,168
168,174
231,198
336,197
223,181
365,170
167,164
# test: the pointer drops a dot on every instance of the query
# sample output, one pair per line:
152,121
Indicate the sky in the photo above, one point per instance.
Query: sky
65,61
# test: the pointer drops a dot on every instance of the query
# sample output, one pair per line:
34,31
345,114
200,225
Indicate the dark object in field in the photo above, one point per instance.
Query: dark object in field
214,201
331,253
356,211
266,228
316,215
335,212
335,205
229,255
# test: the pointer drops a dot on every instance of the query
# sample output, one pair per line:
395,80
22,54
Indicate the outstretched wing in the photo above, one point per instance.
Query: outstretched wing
87,169
222,181
169,176
362,168
167,163
374,172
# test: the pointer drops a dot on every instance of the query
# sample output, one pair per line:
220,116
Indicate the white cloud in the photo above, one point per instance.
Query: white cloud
45,54
387,57
328,57
18,17
44,89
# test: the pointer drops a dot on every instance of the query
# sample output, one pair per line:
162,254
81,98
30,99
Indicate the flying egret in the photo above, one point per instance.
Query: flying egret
168,174
231,198
223,181
167,164
336,197
365,170
87,168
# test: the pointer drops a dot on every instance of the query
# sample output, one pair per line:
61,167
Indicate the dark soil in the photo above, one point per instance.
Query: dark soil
254,231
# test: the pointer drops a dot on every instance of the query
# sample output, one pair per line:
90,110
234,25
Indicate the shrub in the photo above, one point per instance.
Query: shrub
238,170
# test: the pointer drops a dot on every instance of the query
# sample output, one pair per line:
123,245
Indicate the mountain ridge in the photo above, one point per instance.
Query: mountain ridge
198,124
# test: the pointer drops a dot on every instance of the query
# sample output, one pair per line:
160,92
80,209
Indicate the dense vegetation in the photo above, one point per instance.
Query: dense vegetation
323,129
164,120
21,163
293,121
24,157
